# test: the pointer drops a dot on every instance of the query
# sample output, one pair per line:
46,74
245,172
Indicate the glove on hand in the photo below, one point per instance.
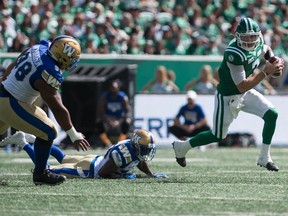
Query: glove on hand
128,176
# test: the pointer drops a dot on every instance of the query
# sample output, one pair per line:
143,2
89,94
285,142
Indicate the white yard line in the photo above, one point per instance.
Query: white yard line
183,196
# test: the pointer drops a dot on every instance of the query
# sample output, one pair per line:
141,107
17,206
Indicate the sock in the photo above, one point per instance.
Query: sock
269,118
57,153
30,151
265,152
42,151
203,138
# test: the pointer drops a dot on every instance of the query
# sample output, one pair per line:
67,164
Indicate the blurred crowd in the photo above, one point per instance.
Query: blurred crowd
164,27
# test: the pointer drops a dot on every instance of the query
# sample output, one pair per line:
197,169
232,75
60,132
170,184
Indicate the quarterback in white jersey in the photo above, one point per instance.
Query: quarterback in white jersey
38,72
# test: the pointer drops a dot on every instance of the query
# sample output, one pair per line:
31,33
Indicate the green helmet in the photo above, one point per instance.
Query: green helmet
248,34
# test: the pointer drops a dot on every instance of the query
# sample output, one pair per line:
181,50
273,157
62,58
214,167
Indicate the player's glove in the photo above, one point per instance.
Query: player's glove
160,175
129,176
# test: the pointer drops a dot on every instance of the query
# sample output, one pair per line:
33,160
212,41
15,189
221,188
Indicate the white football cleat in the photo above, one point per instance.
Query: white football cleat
267,163
18,138
181,148
30,138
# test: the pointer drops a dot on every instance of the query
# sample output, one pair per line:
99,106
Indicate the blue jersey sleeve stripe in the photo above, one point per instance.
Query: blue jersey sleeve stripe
91,169
133,155
122,157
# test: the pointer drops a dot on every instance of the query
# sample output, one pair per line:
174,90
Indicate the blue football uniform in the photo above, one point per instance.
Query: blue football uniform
18,93
88,166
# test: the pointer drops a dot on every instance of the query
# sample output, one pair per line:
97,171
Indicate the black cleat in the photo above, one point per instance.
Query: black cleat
270,166
48,178
181,161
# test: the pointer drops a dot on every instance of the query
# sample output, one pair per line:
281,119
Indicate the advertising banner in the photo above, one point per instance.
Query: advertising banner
156,113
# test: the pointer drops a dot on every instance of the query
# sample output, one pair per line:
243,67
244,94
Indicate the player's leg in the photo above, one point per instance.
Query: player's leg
57,153
33,120
257,104
71,158
178,132
69,170
199,130
80,169
222,119
265,159
102,134
124,130
19,139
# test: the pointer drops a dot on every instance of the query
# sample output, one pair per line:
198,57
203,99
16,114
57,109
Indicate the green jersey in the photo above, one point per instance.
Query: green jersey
235,55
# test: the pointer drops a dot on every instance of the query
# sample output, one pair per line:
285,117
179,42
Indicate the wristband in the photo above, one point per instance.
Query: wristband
264,73
74,135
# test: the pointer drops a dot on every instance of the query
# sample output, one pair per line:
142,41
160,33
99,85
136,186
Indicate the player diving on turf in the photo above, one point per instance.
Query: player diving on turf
118,162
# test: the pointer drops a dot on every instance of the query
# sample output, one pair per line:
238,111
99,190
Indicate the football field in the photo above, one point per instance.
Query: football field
215,182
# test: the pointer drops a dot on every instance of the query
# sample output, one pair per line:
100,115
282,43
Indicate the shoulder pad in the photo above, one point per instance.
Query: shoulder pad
51,73
45,42
50,79
234,55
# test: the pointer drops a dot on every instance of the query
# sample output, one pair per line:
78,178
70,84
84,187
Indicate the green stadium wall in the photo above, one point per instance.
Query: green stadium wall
186,68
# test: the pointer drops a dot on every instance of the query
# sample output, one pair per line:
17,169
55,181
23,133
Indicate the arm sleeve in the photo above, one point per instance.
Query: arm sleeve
237,73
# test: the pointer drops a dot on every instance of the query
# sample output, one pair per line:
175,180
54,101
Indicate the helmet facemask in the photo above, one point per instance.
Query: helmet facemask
248,41
144,143
73,64
146,152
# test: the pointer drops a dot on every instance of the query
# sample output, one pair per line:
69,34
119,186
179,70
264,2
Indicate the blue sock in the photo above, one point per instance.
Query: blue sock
30,151
57,153
42,152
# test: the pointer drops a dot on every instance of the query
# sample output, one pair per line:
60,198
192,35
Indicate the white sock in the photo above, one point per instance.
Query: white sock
265,151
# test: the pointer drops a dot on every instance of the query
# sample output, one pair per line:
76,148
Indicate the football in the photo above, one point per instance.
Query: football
271,60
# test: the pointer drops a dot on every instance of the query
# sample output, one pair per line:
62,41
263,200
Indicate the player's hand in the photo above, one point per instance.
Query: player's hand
129,176
113,123
81,144
190,128
275,67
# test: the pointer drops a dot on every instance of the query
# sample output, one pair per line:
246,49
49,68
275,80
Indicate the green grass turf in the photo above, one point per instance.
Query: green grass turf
215,182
